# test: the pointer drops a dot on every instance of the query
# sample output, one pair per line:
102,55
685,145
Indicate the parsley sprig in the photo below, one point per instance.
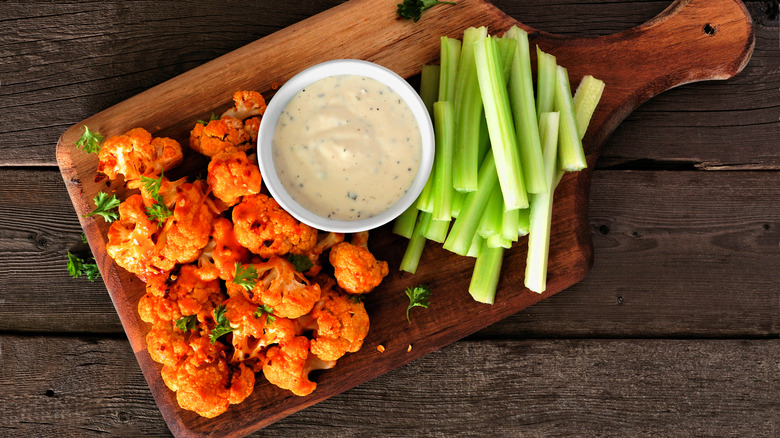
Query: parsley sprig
157,211
206,122
89,141
266,310
413,9
187,322
78,267
105,207
301,262
222,326
419,296
246,276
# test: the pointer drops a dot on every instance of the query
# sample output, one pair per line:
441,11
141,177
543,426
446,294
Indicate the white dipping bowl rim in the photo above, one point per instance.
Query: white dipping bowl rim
303,79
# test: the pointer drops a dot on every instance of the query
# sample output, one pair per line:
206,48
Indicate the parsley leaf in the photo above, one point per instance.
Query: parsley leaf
301,262
266,310
158,211
245,276
206,122
419,296
84,238
356,298
187,322
413,9
105,207
89,141
78,267
223,324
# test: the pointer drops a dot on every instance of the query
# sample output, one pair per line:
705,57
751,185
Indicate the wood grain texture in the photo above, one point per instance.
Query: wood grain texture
674,265
503,389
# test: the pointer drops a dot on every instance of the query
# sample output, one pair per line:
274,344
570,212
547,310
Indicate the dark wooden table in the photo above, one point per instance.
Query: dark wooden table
674,332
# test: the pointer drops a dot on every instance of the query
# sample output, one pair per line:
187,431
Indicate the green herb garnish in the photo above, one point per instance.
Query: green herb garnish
157,211
206,122
266,310
105,207
419,296
89,141
222,326
301,262
246,276
78,267
413,9
187,322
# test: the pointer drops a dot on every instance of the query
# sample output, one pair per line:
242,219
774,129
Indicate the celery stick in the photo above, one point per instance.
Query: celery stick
457,203
541,210
484,279
523,221
416,245
490,222
571,156
510,224
506,52
545,81
429,86
468,112
476,246
436,230
484,139
404,224
465,226
449,58
498,241
500,125
521,97
586,98
445,139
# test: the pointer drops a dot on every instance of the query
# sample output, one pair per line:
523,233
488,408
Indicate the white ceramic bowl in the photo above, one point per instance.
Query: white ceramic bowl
311,75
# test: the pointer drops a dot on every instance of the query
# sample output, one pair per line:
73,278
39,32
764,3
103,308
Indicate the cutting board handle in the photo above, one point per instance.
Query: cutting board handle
692,40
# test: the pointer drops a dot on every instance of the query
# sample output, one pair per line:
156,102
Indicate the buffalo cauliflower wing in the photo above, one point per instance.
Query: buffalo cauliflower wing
184,293
288,366
136,154
246,104
254,330
131,238
355,268
217,135
231,175
265,229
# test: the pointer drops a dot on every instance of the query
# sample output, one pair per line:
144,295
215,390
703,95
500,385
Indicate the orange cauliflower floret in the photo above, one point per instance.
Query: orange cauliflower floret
136,154
187,232
252,127
246,104
227,251
184,293
168,191
217,135
231,175
280,286
254,330
288,366
204,381
340,322
263,227
355,268
131,238
166,344
325,241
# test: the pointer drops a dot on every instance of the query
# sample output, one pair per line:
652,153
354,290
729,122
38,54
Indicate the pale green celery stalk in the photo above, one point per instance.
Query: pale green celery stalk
490,222
545,81
404,224
500,124
416,244
521,97
571,156
523,221
437,230
457,203
498,241
506,51
487,271
586,98
429,92
484,139
448,73
510,224
465,226
444,116
477,244
541,209
468,114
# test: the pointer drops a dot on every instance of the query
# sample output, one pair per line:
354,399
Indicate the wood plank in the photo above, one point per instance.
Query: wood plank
88,387
694,267
95,54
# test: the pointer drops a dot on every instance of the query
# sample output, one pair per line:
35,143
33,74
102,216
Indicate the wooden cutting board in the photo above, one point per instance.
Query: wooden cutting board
690,41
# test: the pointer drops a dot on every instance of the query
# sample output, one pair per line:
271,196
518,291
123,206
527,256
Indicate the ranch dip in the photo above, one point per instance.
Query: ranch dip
346,147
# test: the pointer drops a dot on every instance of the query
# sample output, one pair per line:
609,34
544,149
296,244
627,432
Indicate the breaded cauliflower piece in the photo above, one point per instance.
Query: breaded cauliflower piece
246,104
254,331
136,154
166,344
288,366
217,135
187,232
280,286
264,228
231,175
340,323
131,238
355,268
184,293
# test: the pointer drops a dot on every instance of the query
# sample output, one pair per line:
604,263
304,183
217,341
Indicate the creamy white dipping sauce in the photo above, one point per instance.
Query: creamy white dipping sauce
346,147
